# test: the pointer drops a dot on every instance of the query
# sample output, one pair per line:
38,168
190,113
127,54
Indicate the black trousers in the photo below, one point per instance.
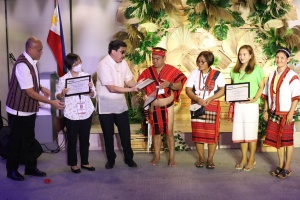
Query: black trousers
107,122
78,129
22,146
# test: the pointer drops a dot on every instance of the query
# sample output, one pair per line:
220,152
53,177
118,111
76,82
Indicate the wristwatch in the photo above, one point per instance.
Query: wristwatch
170,85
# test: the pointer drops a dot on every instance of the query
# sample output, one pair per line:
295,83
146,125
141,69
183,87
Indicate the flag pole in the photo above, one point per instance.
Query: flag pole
71,25
57,66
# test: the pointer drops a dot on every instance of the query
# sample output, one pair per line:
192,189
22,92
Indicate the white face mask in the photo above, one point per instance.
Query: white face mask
77,68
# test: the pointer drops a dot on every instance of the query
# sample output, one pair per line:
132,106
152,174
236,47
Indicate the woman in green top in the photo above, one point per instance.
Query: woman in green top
245,120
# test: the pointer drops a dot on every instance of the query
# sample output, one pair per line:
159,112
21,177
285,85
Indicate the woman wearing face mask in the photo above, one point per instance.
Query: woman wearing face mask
282,94
78,114
245,119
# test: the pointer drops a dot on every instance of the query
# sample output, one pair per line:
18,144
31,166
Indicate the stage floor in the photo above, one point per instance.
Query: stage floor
147,182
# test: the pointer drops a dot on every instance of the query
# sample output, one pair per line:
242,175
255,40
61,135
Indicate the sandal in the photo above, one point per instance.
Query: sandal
239,166
276,171
284,173
248,169
199,164
210,166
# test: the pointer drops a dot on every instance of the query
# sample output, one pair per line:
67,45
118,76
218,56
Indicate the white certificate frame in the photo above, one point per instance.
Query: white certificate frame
78,85
144,83
237,92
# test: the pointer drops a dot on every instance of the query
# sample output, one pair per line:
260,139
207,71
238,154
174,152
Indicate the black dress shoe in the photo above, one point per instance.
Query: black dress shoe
130,163
76,171
88,168
109,165
15,175
35,172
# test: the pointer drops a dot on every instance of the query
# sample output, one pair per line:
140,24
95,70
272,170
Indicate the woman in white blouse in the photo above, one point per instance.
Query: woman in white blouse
77,113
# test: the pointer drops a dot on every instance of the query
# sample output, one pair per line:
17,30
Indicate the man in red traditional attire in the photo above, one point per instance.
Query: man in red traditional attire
169,81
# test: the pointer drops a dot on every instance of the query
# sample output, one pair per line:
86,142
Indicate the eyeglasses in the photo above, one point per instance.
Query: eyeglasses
122,52
201,62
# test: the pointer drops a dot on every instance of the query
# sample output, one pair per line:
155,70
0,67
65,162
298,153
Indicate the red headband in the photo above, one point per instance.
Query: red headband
158,52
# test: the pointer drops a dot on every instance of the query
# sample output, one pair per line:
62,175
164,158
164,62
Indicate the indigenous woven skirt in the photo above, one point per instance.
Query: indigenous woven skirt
245,122
278,133
206,128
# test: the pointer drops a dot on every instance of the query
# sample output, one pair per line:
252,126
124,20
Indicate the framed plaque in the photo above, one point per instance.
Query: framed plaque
237,92
144,83
151,97
78,85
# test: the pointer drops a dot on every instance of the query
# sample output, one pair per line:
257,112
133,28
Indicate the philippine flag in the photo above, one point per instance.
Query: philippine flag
55,41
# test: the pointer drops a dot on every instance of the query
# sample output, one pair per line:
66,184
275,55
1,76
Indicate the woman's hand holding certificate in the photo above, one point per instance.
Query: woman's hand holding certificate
78,85
237,92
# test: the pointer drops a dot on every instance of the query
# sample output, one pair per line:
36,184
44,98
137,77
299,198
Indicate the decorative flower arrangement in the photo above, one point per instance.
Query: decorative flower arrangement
180,145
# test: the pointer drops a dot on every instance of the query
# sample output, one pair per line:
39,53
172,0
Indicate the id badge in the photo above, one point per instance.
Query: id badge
81,109
161,91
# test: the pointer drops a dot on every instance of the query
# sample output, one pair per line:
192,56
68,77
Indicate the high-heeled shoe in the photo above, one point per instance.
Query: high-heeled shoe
248,169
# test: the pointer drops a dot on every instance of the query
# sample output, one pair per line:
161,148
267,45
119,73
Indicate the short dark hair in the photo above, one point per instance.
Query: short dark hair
286,51
115,45
70,59
209,57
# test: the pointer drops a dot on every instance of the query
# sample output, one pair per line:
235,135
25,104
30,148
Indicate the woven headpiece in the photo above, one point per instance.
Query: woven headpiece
159,52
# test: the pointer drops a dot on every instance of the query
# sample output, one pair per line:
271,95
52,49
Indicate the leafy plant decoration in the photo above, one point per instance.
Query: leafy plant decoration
215,14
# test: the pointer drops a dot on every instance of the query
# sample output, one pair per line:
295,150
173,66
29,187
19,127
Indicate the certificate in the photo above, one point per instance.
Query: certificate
78,85
151,97
237,92
144,83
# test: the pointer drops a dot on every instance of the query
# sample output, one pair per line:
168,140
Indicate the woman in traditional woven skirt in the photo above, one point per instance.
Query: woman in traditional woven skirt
282,93
204,86
245,118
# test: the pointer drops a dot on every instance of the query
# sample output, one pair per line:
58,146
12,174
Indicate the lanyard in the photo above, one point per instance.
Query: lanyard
204,80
